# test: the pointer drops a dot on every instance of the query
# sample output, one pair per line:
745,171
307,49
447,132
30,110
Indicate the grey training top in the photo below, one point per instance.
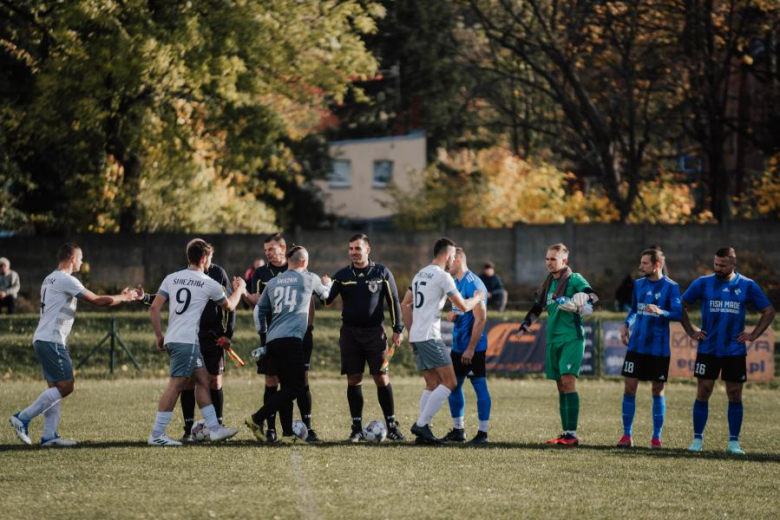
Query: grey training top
286,300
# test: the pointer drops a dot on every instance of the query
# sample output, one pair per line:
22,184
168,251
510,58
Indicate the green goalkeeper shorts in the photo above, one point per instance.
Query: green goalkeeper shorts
564,358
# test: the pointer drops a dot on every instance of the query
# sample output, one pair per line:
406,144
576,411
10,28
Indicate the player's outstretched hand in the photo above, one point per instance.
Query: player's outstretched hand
224,342
451,316
129,294
467,356
655,309
326,280
160,343
140,290
396,340
745,337
624,335
239,284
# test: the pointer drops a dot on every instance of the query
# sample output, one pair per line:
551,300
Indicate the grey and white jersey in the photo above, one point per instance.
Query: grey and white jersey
286,301
430,288
59,295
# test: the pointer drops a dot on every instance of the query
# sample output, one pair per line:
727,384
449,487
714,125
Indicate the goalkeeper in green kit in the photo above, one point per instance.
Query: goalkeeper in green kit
568,297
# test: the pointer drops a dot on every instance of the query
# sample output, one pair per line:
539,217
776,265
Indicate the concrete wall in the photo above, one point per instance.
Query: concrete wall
604,253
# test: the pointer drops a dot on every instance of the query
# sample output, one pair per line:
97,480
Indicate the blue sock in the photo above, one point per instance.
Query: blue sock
735,420
700,412
629,408
659,410
456,400
483,398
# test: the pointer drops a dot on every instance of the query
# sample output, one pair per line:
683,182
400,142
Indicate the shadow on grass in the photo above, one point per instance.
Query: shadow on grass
246,443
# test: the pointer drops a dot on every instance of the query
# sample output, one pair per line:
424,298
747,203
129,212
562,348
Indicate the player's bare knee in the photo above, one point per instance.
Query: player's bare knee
354,379
65,387
734,392
658,388
704,389
630,386
381,380
567,384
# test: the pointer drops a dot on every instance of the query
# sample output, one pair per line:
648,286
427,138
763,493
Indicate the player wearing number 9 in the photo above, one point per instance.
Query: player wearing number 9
188,292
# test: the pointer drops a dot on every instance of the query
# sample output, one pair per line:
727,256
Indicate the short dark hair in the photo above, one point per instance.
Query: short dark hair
294,251
656,255
489,265
66,251
276,237
360,236
726,252
197,249
441,245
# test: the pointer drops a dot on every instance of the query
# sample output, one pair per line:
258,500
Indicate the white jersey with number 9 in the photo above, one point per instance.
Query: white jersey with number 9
188,292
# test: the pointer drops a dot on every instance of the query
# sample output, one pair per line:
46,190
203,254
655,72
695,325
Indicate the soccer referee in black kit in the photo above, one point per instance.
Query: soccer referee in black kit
363,286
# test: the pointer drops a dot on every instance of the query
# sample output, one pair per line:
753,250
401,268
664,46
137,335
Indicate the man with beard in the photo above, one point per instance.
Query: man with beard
722,351
655,302
421,309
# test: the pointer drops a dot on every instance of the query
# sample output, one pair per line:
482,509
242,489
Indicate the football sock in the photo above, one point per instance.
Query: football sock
269,391
562,402
51,418
188,409
304,406
435,402
483,398
458,423
483,426
210,416
161,423
355,400
426,394
659,411
48,398
385,396
457,400
572,411
700,413
629,409
735,415
286,418
218,400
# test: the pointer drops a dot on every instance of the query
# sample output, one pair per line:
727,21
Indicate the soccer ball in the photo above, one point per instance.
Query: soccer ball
300,430
200,432
375,432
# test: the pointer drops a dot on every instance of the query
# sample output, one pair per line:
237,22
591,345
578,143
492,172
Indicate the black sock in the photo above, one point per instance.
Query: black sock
269,391
304,406
217,399
385,395
355,399
286,418
188,409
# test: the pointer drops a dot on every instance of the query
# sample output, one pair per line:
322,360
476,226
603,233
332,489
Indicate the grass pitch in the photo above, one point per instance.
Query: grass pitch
112,473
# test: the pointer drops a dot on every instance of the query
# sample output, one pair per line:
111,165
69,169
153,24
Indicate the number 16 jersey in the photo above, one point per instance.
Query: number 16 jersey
188,291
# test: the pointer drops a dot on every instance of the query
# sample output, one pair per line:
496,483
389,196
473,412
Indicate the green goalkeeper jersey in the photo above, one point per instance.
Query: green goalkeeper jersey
562,326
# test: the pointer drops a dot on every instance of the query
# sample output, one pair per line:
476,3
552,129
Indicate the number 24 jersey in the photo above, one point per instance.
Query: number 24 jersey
188,291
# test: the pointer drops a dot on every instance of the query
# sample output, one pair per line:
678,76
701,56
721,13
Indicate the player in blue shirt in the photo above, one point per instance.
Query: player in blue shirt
724,298
469,347
654,303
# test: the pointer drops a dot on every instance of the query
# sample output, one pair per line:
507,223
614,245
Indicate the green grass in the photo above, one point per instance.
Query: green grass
112,473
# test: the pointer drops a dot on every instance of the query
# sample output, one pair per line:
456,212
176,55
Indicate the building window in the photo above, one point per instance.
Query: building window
340,174
383,173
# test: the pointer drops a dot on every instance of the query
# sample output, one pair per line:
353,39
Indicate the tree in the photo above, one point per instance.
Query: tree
601,65
182,96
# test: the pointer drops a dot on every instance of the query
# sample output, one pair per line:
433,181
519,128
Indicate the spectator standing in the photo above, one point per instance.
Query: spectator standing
9,286
497,295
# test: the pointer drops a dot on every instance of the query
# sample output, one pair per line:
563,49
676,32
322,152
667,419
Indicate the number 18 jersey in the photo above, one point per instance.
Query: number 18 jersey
188,291
430,288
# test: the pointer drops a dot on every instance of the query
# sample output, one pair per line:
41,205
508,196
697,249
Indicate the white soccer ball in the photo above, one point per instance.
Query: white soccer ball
300,430
200,432
375,432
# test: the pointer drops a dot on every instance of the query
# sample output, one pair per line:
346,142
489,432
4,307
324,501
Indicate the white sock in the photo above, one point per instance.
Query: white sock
161,423
426,394
483,426
47,398
570,432
457,423
210,416
51,418
435,402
